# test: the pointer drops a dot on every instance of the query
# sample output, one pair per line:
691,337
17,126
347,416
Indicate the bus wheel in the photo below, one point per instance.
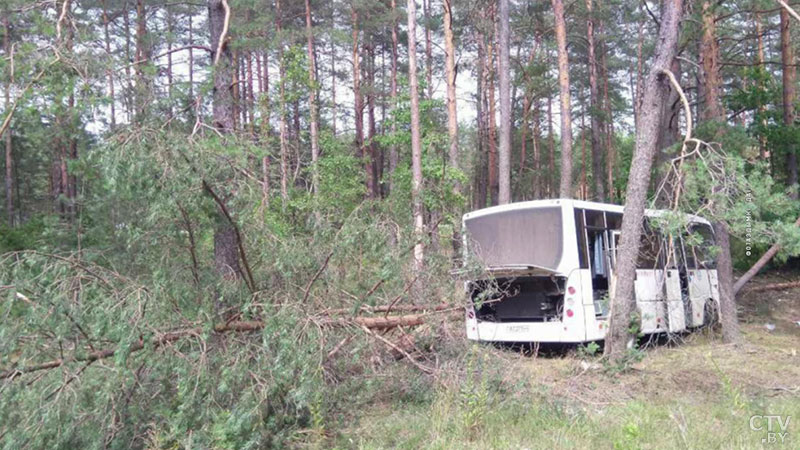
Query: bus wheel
710,314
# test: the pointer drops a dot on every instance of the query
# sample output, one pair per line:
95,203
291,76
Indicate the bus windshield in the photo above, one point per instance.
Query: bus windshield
530,237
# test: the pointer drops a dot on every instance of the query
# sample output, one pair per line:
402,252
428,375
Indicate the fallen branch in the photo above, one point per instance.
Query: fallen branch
234,326
789,9
316,275
391,344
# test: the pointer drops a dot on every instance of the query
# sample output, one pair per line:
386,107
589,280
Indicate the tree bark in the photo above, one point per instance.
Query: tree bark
504,183
565,188
284,126
479,183
655,93
450,67
727,303
371,163
143,85
222,102
226,245
7,138
109,71
312,100
358,103
789,97
596,114
713,111
416,142
551,161
393,156
426,7
494,185
709,54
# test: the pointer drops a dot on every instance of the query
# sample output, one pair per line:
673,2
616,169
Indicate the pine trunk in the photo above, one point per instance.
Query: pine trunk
226,253
416,143
596,114
504,181
312,100
565,188
654,95
789,97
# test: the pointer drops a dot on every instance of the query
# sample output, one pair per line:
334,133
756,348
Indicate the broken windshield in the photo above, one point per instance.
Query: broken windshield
517,238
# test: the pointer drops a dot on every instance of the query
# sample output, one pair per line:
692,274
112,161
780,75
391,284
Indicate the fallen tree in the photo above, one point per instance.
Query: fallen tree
160,340
765,258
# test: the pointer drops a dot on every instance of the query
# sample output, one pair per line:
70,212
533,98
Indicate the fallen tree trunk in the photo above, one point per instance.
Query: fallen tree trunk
381,323
387,308
775,286
765,258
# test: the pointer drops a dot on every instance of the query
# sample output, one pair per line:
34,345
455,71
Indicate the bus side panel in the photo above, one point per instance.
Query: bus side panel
596,327
675,310
699,293
648,298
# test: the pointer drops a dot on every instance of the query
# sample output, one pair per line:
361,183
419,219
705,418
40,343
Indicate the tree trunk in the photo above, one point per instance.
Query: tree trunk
109,71
226,253
504,184
789,97
709,54
452,118
426,9
222,102
450,67
333,88
480,184
371,162
128,98
713,112
565,189
416,143
493,179
727,303
312,100
191,58
284,126
655,93
143,85
596,114
393,156
9,154
551,140
358,101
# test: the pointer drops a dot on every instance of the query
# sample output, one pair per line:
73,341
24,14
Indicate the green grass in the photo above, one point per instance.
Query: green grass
538,423
698,395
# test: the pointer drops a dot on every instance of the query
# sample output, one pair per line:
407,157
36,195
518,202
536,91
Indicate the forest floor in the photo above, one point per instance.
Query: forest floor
696,393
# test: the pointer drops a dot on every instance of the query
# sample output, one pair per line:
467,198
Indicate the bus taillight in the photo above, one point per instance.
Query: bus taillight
571,290
570,313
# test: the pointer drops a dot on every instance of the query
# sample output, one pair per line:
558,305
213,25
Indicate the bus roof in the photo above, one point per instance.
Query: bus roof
534,204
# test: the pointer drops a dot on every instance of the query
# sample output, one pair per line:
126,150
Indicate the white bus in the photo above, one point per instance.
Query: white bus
548,266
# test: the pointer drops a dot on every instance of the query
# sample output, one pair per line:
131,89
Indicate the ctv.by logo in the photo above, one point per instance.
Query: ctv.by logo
776,427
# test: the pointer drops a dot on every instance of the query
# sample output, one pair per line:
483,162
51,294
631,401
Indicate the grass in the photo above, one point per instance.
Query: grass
699,394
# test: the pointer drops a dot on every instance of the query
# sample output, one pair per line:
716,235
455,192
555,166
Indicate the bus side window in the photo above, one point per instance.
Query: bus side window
580,234
704,252
650,249
613,221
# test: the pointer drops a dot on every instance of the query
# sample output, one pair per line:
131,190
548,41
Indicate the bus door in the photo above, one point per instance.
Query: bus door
695,284
675,305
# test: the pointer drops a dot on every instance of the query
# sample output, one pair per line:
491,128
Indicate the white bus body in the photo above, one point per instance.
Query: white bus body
549,267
